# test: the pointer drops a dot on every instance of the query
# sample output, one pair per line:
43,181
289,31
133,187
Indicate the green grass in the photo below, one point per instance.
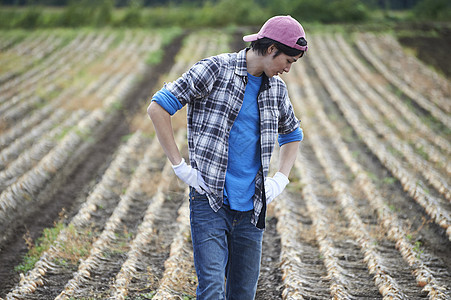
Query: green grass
41,245
75,247
155,57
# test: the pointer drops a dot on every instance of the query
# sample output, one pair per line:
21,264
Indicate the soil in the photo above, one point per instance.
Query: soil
65,196
270,280
433,50
82,177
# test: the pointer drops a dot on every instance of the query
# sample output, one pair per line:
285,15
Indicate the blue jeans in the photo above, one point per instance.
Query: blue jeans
226,246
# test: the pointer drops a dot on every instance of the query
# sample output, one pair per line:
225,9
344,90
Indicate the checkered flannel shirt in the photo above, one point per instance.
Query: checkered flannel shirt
213,89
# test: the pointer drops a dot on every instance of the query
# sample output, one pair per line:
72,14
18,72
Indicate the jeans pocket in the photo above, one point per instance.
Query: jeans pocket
196,196
199,206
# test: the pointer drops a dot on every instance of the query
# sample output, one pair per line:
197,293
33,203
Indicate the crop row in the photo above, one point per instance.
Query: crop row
412,183
419,129
122,216
81,51
387,218
344,232
105,194
32,156
38,48
406,129
376,120
400,84
306,98
417,75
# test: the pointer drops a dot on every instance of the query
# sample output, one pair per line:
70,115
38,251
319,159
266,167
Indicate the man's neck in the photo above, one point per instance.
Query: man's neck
253,62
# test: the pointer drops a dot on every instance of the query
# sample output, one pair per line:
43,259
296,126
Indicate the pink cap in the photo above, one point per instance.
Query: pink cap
283,29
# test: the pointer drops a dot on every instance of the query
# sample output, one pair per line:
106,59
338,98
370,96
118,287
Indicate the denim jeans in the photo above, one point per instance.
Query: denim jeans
226,246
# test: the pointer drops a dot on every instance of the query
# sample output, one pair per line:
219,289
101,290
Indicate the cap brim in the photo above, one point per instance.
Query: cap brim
250,37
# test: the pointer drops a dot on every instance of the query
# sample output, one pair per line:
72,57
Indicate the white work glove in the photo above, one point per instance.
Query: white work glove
191,177
275,185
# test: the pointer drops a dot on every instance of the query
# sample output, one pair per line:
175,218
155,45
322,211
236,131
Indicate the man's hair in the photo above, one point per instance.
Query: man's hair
261,45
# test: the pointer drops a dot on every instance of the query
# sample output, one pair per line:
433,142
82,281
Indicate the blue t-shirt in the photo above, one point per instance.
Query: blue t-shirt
244,151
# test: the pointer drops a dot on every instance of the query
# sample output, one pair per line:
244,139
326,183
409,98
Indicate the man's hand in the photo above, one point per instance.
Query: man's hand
275,185
191,177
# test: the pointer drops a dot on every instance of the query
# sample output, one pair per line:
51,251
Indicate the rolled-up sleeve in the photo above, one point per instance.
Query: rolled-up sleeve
167,100
296,135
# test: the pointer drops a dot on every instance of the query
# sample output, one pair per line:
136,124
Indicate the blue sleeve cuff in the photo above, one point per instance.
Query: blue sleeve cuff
167,100
296,135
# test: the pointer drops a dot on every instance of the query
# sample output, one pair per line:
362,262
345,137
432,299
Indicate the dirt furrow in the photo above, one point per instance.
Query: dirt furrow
142,270
83,171
11,151
28,188
302,270
386,184
29,157
41,53
404,130
419,76
422,101
270,284
413,185
96,271
62,70
341,255
72,47
179,278
359,220
58,263
385,273
422,166
417,256
382,87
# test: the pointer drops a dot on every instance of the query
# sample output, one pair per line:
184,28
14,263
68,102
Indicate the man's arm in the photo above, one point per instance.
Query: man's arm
163,127
287,157
276,184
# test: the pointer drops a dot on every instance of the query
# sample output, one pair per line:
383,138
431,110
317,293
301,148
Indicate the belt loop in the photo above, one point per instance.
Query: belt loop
191,193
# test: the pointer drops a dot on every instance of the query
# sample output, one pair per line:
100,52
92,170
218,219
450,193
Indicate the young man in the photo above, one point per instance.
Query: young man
237,106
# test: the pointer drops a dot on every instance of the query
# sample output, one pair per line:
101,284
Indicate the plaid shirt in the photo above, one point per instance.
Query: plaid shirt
213,89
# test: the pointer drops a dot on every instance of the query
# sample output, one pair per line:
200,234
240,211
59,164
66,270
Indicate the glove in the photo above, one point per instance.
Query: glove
191,177
274,186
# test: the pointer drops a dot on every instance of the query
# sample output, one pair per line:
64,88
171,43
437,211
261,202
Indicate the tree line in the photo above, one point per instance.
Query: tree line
391,4
202,13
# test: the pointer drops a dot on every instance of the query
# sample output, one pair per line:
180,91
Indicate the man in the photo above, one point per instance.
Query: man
236,107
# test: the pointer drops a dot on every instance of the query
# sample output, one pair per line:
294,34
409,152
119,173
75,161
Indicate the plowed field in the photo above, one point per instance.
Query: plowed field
90,207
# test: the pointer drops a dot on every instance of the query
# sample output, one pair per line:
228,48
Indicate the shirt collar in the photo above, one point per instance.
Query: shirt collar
241,66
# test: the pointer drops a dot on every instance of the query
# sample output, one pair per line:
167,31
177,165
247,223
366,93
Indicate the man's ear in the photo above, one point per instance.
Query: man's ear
271,49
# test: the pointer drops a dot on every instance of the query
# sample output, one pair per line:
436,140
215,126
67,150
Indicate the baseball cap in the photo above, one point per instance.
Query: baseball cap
283,29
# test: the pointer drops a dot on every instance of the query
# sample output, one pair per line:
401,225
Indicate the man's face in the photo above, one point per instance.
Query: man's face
276,65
